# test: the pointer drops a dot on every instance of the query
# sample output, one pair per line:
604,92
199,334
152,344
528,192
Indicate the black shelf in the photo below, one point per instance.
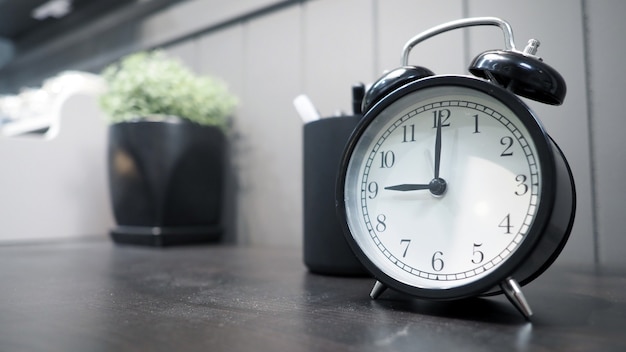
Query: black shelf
94,295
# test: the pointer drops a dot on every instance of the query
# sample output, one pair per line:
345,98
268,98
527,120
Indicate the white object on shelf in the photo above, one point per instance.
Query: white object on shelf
55,186
35,110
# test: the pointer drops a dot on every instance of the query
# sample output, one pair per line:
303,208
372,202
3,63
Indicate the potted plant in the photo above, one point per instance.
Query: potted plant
166,154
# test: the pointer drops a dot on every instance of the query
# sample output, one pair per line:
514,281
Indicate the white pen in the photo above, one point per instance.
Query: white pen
305,108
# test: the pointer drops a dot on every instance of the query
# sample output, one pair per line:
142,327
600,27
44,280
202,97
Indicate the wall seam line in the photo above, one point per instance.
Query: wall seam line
590,133
466,34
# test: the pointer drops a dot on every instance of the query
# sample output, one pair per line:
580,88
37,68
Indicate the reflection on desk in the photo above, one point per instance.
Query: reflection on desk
94,296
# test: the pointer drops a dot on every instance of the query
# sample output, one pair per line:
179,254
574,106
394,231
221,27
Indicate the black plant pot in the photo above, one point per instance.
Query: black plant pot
165,179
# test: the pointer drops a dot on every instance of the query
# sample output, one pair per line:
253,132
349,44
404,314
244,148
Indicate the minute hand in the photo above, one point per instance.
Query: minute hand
438,148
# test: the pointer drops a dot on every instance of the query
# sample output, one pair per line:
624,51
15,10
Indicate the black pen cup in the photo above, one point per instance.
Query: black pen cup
326,250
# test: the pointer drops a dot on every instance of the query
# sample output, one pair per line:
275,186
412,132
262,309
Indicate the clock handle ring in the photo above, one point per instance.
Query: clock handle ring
509,43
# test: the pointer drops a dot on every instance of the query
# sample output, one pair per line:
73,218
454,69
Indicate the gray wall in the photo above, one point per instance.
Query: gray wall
322,47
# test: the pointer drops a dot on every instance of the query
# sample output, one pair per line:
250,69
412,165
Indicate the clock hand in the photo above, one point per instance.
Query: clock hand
407,187
437,187
438,148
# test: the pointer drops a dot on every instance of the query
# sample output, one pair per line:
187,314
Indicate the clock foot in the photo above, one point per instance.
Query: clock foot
514,293
378,289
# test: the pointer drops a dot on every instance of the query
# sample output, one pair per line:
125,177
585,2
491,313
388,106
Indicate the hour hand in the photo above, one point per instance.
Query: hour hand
437,187
408,187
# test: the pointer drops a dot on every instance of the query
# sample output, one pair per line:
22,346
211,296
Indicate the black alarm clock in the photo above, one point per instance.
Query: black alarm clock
450,187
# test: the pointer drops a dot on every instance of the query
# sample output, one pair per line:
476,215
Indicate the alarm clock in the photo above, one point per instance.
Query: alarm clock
449,186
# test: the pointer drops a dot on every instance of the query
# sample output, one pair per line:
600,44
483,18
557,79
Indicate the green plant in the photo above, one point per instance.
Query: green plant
150,83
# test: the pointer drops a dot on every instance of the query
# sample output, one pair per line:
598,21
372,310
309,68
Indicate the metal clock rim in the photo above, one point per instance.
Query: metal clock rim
547,162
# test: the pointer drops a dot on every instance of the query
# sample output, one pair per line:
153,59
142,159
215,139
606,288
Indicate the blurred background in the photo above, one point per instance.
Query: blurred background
270,51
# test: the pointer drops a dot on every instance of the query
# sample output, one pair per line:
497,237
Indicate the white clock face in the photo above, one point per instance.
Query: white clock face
442,212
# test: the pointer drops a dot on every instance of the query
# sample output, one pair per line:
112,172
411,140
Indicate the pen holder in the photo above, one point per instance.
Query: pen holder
326,250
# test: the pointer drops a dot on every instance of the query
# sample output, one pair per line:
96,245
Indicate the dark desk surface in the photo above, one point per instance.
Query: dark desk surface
94,296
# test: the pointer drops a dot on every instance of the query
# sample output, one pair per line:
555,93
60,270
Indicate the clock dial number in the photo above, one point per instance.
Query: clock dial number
406,243
387,159
522,187
381,226
372,189
444,115
479,256
506,223
437,261
476,124
507,142
408,133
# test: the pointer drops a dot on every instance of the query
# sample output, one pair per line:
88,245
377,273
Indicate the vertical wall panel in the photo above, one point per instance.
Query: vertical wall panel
558,25
221,55
186,52
607,75
270,139
400,20
338,51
